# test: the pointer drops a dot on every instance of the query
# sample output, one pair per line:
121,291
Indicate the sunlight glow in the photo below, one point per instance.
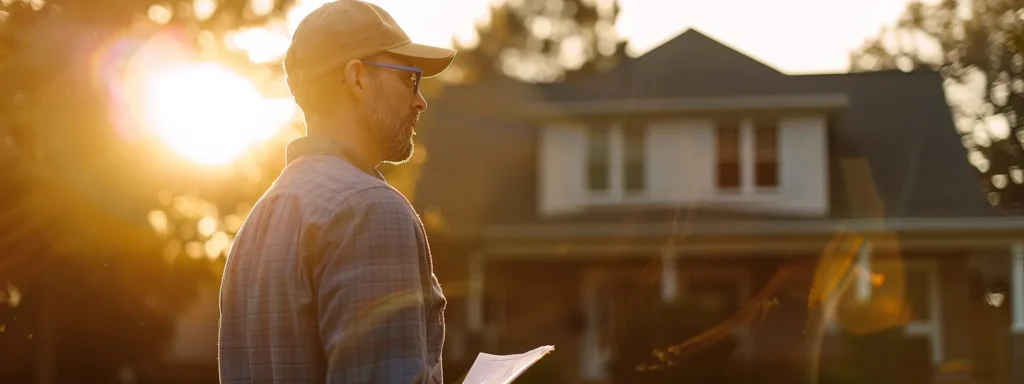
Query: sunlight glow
263,45
426,21
203,9
210,114
163,89
158,220
10,296
994,299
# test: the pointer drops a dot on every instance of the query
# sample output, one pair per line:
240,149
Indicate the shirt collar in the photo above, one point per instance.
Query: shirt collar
308,146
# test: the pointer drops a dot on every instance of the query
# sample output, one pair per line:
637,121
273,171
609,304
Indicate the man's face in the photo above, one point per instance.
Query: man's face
392,109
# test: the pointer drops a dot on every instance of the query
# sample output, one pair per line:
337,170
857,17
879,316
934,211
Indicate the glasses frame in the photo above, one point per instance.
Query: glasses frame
415,70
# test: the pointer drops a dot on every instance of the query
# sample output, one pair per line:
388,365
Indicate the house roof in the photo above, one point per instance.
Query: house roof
482,164
691,64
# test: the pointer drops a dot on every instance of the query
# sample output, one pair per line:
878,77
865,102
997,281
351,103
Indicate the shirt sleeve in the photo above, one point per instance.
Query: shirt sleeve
372,315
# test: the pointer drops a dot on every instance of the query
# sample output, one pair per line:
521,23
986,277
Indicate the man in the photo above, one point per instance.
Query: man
330,279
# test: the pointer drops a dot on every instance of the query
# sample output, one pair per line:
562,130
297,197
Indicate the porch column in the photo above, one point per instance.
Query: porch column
475,296
1017,312
669,280
592,356
863,270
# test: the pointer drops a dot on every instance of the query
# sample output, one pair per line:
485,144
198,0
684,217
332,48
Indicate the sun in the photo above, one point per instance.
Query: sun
207,113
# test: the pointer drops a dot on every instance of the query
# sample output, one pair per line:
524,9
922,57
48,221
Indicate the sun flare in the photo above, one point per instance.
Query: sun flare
209,114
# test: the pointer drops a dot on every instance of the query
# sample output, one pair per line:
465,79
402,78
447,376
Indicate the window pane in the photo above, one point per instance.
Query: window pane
918,294
597,177
766,153
766,135
597,159
767,174
729,156
635,153
634,177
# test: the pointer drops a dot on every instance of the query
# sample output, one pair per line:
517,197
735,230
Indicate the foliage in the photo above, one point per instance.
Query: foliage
978,48
543,41
97,288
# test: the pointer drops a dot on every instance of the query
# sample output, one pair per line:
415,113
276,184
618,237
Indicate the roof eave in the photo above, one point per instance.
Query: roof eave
819,101
746,228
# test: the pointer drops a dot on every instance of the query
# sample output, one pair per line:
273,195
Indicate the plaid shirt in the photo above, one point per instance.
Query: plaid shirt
330,279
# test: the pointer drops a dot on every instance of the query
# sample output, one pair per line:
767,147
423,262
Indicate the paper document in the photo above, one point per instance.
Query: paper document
495,369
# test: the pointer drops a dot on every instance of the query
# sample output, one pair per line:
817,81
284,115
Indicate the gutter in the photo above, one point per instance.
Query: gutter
689,104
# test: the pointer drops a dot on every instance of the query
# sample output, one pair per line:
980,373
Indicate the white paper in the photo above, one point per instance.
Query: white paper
502,369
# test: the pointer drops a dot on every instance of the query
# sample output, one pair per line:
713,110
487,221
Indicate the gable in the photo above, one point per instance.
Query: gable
692,64
695,53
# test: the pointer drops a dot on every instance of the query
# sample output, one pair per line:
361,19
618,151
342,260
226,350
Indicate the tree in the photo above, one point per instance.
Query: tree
89,290
978,48
542,41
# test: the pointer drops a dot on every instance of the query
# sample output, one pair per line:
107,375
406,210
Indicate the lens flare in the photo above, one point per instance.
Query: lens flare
201,110
210,114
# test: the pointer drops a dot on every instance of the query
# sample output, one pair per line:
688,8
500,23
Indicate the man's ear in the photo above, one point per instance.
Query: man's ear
355,77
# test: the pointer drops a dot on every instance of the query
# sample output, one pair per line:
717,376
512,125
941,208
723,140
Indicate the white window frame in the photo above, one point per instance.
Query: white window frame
748,164
616,192
931,328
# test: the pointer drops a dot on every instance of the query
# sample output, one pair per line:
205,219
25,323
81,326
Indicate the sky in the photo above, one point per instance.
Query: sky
794,36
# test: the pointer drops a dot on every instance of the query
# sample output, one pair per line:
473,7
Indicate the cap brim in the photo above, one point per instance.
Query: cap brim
433,60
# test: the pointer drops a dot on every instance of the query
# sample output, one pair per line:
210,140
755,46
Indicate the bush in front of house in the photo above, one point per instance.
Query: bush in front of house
657,326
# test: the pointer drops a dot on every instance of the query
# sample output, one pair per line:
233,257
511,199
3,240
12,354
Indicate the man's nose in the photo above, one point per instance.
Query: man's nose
419,103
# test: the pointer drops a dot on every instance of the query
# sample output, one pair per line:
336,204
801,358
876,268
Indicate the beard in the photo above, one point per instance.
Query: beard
392,133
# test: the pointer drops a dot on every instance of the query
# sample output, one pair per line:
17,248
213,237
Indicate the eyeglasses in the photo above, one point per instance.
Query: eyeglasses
417,73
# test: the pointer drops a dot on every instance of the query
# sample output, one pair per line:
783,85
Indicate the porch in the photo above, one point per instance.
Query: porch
572,289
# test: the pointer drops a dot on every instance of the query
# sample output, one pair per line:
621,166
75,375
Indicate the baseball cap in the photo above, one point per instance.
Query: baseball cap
344,30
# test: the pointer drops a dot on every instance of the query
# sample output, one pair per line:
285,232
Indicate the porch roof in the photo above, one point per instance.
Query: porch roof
741,238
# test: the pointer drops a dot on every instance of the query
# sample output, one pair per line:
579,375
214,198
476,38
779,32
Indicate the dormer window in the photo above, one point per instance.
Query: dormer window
748,157
616,161
766,154
599,160
635,144
729,156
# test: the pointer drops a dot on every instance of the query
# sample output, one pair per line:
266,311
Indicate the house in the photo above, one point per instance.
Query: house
695,172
